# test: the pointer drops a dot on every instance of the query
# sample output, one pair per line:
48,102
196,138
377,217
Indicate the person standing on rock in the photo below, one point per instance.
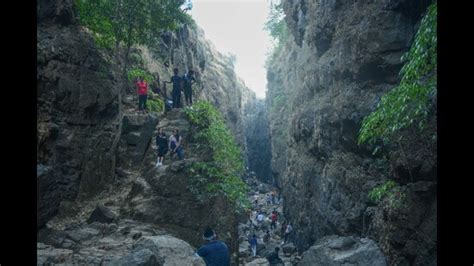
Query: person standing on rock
162,144
253,245
274,218
288,230
260,218
283,229
177,82
274,259
269,199
214,252
273,197
175,144
142,91
189,80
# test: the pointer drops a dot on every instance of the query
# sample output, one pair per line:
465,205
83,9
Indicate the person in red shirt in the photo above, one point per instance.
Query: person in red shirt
142,90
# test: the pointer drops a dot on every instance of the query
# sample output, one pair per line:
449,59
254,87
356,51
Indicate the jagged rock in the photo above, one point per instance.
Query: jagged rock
83,234
289,248
173,251
140,257
77,103
102,214
47,255
258,261
342,243
341,58
337,250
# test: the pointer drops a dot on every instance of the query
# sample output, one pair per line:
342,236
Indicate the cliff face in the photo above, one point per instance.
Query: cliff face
78,111
187,48
86,136
340,58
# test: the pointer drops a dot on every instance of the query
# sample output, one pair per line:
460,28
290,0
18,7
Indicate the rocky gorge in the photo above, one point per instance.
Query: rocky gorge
102,201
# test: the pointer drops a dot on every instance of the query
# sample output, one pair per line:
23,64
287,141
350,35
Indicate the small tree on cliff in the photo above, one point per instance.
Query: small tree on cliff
124,23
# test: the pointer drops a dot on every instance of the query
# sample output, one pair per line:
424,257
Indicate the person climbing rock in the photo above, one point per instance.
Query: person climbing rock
175,144
273,258
142,91
214,252
189,80
288,231
177,82
162,144
253,245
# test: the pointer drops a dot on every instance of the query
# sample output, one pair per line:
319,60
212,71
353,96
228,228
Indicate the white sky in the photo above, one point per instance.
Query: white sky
236,26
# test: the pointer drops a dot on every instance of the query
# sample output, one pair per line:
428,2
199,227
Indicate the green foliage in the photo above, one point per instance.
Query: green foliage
221,175
134,73
155,105
411,101
129,22
275,24
378,193
278,30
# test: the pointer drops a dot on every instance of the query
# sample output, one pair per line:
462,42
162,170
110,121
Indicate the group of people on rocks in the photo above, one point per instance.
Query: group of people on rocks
173,144
180,84
216,252
285,231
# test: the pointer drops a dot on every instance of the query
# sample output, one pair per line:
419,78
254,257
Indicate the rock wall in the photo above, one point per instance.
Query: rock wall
340,58
78,111
87,132
187,48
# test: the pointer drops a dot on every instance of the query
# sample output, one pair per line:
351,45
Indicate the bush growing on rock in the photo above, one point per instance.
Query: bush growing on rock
412,101
221,173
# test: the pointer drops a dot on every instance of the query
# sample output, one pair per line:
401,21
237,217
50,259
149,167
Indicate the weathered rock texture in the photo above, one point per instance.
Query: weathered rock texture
88,137
124,243
187,48
78,111
340,58
336,250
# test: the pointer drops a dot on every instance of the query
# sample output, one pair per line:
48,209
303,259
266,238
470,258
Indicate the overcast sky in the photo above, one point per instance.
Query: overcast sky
236,26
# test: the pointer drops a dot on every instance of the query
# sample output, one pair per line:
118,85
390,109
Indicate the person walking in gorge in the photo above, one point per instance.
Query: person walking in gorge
253,245
142,91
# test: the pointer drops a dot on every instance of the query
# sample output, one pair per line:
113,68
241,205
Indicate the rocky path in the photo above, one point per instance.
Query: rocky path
261,192
100,230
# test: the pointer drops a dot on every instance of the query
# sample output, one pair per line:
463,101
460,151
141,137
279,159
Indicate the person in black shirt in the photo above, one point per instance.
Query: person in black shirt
162,143
189,80
273,257
177,88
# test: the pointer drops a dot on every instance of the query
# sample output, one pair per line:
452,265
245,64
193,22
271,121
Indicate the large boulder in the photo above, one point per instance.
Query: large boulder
172,251
338,250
